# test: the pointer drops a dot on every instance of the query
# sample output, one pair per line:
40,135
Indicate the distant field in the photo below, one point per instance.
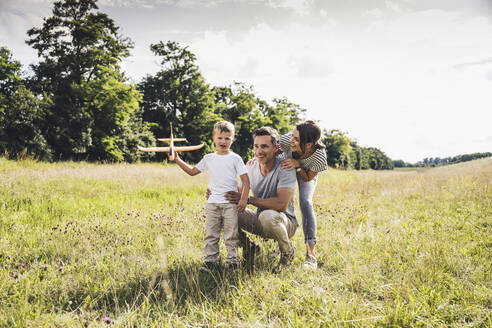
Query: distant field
120,246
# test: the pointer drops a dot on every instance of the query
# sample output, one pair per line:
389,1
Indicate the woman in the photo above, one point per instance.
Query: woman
305,153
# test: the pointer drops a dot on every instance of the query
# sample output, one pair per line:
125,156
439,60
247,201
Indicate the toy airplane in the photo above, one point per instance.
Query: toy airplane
171,149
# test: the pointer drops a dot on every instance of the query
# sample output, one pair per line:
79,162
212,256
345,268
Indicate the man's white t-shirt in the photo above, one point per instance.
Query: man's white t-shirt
223,171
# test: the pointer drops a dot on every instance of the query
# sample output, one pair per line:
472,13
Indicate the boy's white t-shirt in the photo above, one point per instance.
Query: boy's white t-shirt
223,171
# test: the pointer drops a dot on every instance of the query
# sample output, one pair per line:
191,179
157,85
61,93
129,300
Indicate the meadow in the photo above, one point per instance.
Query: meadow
119,245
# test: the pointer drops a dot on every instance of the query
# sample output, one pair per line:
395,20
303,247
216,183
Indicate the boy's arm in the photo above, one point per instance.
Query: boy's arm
243,201
187,168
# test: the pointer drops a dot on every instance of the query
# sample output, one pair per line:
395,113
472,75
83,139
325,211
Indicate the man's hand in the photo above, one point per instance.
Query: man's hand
207,194
290,164
241,206
233,197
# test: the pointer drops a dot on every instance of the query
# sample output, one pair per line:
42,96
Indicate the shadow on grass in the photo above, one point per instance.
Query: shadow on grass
188,283
183,283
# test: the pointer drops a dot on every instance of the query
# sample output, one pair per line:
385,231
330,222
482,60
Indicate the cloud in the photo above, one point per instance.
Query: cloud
482,62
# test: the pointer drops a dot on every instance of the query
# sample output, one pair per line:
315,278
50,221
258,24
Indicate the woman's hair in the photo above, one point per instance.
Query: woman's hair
309,131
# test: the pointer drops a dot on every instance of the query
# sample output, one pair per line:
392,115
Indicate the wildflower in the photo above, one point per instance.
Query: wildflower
60,268
107,319
45,267
14,275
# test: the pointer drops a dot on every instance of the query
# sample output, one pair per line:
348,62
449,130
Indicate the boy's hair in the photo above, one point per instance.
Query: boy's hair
224,126
267,131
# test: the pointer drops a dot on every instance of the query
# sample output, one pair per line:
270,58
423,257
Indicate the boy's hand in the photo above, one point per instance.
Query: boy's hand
241,206
207,194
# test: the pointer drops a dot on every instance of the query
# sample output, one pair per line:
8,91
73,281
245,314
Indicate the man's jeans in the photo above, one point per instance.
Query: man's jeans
306,192
216,216
269,224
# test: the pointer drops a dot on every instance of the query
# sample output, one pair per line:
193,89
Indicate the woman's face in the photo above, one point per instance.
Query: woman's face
295,142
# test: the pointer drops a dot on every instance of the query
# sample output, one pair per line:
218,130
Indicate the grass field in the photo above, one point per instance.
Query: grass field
120,246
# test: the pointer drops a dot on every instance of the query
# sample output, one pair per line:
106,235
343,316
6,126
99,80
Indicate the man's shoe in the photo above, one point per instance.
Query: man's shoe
233,267
208,267
310,263
285,260
250,251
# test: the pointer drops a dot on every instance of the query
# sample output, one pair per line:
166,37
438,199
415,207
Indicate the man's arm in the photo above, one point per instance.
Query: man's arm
279,203
187,168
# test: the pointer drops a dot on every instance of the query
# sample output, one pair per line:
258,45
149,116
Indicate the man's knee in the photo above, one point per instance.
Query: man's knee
272,222
268,217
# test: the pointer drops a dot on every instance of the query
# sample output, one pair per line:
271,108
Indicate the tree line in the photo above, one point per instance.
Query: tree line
437,161
76,103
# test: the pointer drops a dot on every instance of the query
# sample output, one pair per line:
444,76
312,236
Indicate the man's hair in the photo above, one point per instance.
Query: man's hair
267,131
224,126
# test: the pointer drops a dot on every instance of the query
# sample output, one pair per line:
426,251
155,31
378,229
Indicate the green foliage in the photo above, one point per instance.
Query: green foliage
342,152
238,104
80,51
179,95
22,114
431,162
338,148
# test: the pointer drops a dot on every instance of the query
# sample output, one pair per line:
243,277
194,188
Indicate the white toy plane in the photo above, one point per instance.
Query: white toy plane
171,149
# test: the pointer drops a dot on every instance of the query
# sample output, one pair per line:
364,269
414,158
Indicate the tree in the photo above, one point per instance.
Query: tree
239,105
80,51
179,95
21,113
338,148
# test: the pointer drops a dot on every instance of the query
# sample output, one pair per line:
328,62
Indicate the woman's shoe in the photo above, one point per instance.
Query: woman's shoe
310,263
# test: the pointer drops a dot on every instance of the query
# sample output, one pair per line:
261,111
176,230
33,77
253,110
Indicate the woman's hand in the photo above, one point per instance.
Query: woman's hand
290,164
251,161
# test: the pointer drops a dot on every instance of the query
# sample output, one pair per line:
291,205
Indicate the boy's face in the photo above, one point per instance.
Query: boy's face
223,141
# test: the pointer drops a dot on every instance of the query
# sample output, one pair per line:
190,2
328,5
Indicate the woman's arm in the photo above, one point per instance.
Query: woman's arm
306,175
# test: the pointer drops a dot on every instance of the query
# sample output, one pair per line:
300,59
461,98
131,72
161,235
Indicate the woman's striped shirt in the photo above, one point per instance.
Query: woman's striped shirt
316,162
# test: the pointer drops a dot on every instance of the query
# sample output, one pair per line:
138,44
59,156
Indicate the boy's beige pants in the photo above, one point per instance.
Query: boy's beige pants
218,215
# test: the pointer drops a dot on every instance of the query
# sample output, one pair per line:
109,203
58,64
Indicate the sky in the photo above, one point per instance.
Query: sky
410,77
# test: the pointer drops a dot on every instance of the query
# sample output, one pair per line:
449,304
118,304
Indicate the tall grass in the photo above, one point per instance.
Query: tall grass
120,245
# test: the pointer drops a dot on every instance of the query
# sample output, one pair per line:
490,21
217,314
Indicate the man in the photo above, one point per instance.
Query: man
273,190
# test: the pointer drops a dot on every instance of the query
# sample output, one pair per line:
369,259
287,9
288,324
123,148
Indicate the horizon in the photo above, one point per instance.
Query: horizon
411,78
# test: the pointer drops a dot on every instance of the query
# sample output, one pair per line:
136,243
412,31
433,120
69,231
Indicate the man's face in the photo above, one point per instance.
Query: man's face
264,149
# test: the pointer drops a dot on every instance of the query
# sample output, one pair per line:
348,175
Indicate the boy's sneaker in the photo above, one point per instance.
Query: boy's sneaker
208,267
285,260
310,263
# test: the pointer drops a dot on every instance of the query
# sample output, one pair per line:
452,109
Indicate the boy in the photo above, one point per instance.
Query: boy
224,167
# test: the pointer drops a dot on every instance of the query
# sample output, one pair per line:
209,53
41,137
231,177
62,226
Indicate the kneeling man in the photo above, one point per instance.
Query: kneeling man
273,190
